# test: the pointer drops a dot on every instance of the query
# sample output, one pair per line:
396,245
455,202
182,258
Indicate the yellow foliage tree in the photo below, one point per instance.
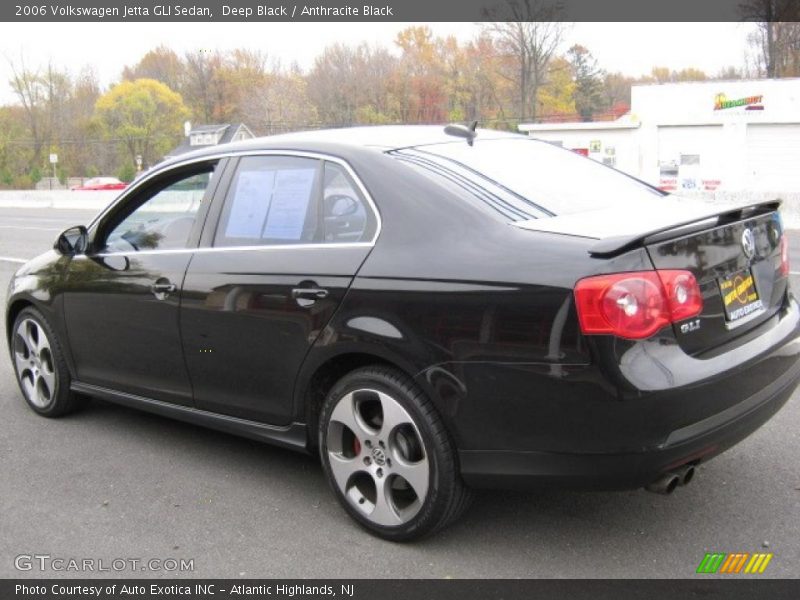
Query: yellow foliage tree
557,97
143,115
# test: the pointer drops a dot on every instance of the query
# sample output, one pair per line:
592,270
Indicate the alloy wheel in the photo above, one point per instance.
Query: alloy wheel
377,457
33,358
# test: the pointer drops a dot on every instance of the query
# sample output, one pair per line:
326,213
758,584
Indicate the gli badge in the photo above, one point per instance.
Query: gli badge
690,326
748,243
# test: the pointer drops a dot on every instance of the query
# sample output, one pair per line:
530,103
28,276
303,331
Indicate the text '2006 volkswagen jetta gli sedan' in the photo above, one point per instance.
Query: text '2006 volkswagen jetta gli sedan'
431,309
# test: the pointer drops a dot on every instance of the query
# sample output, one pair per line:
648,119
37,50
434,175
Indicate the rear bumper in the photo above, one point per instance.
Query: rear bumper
587,434
692,444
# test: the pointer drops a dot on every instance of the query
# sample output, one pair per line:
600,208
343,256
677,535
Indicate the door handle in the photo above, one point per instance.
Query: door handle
309,293
162,288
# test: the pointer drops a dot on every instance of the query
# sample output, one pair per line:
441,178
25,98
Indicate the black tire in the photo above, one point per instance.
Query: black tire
446,496
60,400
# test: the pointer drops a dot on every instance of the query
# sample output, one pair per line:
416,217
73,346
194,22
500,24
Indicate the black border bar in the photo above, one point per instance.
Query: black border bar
399,10
406,589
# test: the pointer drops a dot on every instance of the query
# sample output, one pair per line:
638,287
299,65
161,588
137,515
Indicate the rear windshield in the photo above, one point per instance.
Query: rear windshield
543,179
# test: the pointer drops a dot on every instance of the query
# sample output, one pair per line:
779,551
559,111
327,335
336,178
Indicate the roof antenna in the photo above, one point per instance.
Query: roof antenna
463,131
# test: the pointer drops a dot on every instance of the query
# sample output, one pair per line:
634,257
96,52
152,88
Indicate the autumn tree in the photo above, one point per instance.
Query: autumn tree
161,64
14,156
486,88
350,84
557,97
420,80
617,92
143,115
279,103
528,43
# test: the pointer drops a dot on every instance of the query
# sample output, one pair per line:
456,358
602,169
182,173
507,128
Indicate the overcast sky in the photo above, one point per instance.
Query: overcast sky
632,48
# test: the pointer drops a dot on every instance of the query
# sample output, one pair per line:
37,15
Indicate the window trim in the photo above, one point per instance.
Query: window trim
212,217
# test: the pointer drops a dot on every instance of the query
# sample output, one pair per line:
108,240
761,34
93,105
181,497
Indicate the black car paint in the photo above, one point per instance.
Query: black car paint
478,311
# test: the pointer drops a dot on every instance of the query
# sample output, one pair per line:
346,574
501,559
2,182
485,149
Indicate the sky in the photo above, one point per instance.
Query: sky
632,48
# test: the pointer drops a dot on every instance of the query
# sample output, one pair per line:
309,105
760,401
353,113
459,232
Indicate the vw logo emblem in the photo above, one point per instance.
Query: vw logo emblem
379,456
748,243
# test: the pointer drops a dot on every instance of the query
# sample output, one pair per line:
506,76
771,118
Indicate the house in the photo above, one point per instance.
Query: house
202,136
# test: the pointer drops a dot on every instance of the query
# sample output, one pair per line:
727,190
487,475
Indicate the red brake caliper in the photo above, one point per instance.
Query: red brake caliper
356,446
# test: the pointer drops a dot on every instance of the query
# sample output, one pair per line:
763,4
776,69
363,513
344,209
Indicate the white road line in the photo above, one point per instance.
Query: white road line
794,272
36,228
14,260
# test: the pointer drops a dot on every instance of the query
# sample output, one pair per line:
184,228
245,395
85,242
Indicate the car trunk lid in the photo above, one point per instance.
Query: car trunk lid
739,269
733,252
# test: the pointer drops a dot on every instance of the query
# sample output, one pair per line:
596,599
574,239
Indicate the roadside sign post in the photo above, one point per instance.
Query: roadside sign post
54,162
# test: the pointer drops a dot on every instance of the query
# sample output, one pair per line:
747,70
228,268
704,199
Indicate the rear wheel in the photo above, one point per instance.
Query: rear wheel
39,365
388,457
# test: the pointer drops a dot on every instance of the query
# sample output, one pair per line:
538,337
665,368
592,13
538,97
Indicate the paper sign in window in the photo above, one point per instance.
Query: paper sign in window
289,206
251,203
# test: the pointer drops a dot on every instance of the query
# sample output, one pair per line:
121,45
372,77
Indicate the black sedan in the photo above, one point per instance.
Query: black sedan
431,309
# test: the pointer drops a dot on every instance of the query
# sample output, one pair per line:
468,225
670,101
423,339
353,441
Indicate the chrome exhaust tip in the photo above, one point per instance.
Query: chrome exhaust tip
665,484
685,474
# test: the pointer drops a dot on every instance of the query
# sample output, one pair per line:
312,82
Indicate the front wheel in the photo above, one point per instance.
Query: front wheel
39,364
388,457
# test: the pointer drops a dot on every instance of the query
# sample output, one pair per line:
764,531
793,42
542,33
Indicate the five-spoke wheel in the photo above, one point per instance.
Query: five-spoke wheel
387,455
377,457
41,371
33,358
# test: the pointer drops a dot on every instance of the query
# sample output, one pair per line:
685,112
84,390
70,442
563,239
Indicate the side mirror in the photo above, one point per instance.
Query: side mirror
72,241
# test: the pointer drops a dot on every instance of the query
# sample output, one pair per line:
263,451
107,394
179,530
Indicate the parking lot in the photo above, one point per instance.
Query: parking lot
110,482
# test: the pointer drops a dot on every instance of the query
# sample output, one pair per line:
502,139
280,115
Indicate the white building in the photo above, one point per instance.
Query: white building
717,136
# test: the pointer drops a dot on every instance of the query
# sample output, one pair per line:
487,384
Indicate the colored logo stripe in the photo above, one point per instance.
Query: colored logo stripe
720,562
758,563
711,562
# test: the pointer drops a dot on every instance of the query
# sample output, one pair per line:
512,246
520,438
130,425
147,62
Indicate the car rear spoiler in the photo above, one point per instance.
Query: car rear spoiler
612,246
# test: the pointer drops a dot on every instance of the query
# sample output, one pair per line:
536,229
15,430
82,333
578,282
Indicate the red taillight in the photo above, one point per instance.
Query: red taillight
784,256
636,305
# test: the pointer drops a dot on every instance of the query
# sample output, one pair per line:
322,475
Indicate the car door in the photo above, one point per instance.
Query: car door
290,236
121,298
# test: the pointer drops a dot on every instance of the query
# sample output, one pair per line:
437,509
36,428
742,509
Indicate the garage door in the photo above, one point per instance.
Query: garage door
773,157
690,157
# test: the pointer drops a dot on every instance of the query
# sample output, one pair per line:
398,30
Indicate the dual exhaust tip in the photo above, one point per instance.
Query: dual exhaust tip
667,483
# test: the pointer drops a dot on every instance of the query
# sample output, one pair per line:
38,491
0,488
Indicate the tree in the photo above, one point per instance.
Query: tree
617,90
14,157
144,115
419,83
200,88
279,104
588,79
528,43
665,75
776,39
348,83
30,88
729,73
557,98
161,64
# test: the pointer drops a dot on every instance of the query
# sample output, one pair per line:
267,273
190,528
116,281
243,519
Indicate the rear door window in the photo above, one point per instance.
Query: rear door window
281,200
272,200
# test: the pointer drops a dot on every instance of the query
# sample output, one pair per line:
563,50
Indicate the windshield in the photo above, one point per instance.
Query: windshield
553,180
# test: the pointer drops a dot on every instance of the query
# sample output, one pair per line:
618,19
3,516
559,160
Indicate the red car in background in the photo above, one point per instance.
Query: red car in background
101,184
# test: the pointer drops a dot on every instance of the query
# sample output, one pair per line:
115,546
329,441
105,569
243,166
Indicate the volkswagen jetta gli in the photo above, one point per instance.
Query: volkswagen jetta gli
429,309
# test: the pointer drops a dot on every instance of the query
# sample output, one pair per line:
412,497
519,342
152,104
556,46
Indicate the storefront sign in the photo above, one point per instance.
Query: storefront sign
721,102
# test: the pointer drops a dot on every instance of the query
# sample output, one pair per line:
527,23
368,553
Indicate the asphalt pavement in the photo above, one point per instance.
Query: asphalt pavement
113,483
